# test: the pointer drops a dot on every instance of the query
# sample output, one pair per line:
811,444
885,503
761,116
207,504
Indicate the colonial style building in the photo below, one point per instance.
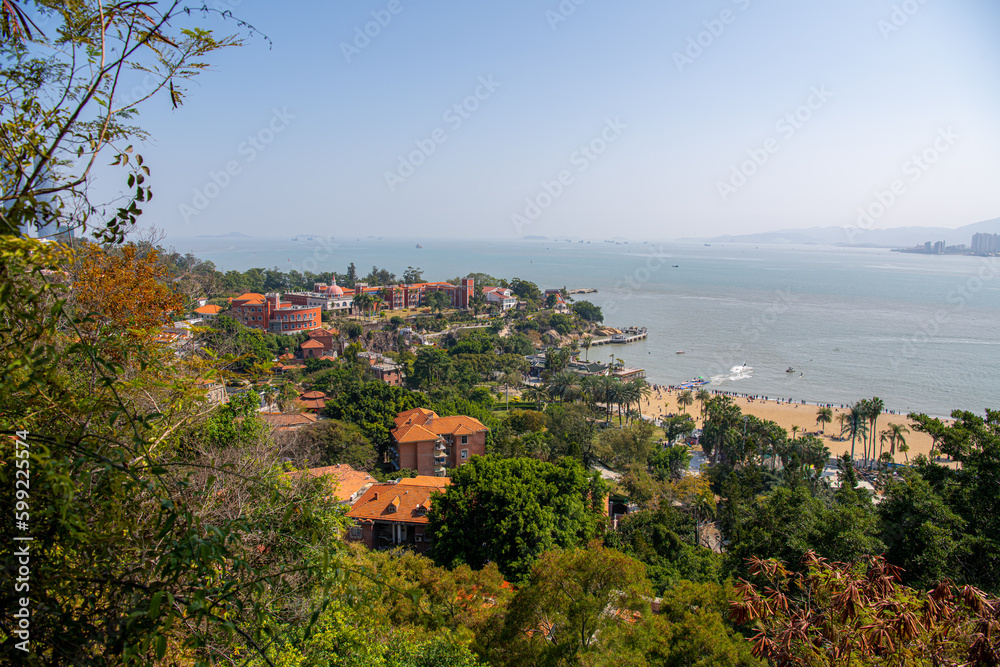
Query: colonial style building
395,513
268,313
431,445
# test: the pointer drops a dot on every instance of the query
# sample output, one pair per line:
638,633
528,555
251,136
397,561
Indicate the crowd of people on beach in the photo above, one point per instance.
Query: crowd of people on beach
752,398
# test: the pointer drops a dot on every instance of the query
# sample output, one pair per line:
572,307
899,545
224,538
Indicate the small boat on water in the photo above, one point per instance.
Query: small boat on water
680,351
790,370
419,246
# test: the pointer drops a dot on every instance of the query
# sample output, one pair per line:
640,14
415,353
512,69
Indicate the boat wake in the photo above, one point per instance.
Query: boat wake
735,373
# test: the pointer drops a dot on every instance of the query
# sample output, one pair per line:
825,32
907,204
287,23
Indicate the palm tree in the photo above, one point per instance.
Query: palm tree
895,435
824,416
636,390
855,423
684,399
586,344
875,408
364,302
508,380
564,384
703,396
536,395
795,430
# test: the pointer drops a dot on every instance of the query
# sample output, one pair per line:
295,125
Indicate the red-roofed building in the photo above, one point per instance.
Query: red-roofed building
395,513
311,349
208,312
312,401
268,313
415,294
430,444
346,483
501,296
279,421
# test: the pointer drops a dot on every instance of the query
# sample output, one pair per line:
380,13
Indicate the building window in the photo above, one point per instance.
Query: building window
465,454
465,439
355,532
285,326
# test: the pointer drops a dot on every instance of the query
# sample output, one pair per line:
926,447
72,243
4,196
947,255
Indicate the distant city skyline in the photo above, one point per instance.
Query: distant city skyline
583,119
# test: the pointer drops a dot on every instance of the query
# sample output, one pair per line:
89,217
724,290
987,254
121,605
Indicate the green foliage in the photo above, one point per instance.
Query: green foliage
340,442
664,539
509,511
526,291
525,421
620,448
669,463
786,523
572,598
236,422
585,310
571,432
373,407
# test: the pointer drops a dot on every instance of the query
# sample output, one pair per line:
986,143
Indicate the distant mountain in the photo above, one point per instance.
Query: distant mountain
896,237
230,235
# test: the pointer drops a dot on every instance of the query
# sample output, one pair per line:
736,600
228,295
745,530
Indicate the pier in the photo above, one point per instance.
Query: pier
628,335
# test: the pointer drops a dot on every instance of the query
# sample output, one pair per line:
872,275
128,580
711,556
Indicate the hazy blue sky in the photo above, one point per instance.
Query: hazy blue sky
687,112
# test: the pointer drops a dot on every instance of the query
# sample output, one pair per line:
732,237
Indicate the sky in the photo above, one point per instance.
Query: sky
583,118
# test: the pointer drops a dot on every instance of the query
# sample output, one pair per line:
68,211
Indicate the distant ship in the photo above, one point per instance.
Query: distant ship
419,246
790,370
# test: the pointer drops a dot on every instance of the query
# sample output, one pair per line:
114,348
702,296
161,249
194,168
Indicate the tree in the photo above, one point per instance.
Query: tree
571,598
585,310
895,435
364,302
669,463
437,301
510,511
684,399
340,442
586,343
526,290
676,427
970,490
847,613
824,416
413,275
624,447
431,368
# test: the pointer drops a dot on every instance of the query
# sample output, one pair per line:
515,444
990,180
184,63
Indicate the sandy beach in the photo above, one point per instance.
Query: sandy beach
664,402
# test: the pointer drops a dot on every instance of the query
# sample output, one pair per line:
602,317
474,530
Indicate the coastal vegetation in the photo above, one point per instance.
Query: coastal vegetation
165,529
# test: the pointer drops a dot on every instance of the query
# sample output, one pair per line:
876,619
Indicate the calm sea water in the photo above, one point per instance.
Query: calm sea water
921,332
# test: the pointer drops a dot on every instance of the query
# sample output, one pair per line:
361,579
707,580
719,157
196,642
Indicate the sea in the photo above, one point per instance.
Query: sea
821,324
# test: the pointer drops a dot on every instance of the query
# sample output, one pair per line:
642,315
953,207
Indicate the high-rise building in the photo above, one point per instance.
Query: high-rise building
985,244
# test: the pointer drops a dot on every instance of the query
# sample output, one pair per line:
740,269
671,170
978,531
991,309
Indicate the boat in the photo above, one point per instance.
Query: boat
790,370
680,352
419,246
677,266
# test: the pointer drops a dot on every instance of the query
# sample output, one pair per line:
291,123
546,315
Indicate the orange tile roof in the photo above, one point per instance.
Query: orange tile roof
250,297
345,481
311,344
457,425
413,433
281,420
322,332
312,395
316,404
208,310
398,503
424,480
414,416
